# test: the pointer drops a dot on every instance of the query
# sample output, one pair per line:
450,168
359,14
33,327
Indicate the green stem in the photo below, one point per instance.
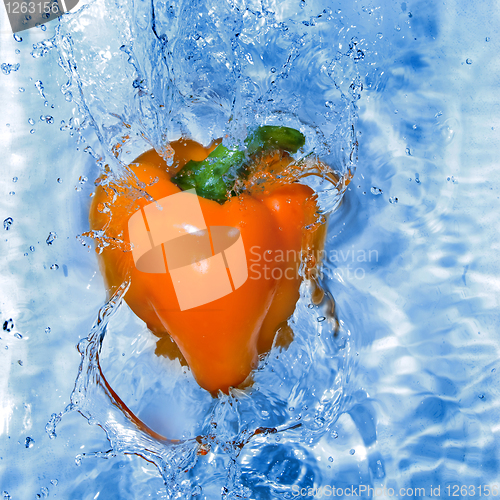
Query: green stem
215,176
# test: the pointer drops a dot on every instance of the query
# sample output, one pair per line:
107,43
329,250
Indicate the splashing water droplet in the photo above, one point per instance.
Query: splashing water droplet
8,325
8,68
51,238
7,223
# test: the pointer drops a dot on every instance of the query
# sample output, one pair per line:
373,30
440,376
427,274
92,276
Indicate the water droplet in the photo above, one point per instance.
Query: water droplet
21,89
14,179
7,223
393,199
487,39
29,442
481,396
291,409
51,238
32,248
352,451
8,325
321,319
20,363
376,191
6,495
54,482
47,330
8,68
493,370
82,179
407,151
335,435
12,193
319,421
59,180
330,459
17,37
54,267
31,121
417,178
196,491
32,131
468,61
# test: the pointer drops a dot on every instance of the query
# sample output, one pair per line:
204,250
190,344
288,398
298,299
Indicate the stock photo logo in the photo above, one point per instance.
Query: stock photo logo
26,14
205,263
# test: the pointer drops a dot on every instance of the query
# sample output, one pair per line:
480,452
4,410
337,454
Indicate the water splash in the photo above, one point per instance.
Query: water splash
213,71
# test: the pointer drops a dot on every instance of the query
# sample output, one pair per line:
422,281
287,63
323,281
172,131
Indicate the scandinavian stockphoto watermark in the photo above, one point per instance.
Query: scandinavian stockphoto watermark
347,263
26,14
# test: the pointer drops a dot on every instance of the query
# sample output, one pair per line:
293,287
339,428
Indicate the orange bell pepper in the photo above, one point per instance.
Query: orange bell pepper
220,340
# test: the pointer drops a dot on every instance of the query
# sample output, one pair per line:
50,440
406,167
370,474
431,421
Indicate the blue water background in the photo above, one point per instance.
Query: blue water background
418,366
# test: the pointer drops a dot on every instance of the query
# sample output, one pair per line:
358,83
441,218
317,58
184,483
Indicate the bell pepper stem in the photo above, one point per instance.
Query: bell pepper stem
214,177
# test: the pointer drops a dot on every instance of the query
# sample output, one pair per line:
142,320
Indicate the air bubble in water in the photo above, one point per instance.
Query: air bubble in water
54,267
487,38
32,131
18,335
335,434
393,199
29,442
17,38
468,61
14,179
7,223
375,190
31,121
330,459
321,319
417,178
32,248
407,151
47,330
51,238
6,495
352,451
22,89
